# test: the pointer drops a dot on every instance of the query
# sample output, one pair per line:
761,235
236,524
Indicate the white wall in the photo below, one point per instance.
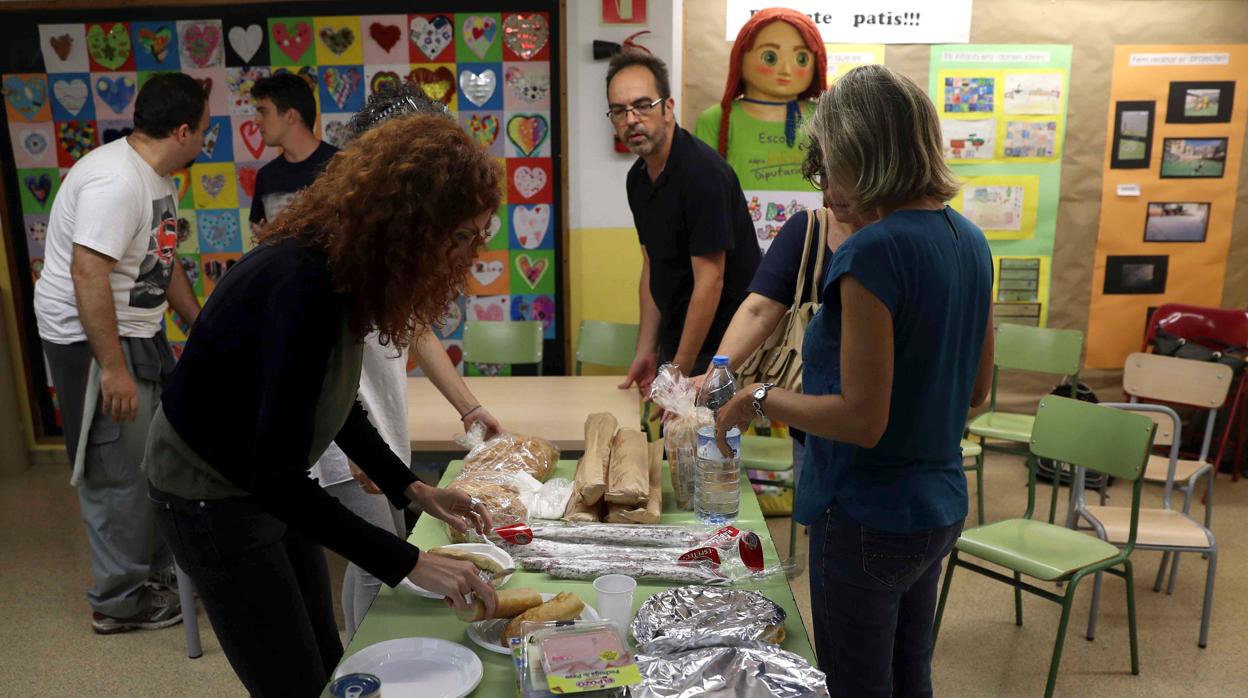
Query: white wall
595,171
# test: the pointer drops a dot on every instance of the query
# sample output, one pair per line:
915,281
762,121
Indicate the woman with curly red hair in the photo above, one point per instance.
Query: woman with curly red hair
382,241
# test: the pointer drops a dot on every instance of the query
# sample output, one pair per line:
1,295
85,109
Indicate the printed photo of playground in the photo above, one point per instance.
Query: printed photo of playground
1201,102
1176,222
1193,157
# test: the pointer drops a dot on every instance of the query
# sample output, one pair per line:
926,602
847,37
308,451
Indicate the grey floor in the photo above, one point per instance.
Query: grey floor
47,647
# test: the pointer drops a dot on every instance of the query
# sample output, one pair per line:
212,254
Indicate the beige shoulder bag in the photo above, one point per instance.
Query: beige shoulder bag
779,359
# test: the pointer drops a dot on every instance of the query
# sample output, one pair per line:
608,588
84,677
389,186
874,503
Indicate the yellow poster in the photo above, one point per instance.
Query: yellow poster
843,58
1172,159
1003,206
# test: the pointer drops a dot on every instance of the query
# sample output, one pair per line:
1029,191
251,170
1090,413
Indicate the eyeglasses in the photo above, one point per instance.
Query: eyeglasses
641,107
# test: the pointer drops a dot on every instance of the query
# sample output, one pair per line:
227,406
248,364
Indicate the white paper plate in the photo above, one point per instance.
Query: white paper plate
420,667
488,633
492,551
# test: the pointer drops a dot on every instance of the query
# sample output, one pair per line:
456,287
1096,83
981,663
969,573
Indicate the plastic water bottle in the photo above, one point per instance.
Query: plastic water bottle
717,483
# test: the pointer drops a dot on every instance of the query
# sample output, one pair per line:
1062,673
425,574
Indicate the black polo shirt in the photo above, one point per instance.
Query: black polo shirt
695,207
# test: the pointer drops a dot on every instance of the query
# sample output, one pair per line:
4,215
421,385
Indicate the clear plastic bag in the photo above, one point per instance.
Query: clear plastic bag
508,453
674,392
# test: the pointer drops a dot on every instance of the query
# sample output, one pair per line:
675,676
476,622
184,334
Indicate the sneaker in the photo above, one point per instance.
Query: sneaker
164,580
163,612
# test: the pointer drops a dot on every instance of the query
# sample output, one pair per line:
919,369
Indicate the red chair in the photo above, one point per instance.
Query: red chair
1199,324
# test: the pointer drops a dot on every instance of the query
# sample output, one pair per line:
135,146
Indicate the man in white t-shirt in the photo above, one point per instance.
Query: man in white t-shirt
110,271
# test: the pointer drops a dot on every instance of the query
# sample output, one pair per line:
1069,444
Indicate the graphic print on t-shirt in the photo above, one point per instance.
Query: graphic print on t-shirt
275,203
157,267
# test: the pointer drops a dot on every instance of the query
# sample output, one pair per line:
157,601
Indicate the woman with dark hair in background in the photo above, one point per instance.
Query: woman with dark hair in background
382,241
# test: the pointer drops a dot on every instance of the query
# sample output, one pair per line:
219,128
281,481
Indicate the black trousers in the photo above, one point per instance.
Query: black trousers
264,586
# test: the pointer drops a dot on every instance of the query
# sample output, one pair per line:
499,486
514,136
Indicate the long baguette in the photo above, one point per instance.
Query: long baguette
565,606
511,603
591,472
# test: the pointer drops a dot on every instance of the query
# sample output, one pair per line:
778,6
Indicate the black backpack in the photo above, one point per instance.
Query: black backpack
1045,467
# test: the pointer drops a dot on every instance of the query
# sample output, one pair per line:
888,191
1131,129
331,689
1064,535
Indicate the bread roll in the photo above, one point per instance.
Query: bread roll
565,606
628,475
591,471
511,603
483,562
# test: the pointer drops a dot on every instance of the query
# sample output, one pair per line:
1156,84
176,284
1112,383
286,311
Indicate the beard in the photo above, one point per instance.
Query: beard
648,145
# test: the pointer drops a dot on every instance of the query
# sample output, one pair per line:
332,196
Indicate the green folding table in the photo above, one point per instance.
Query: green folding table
397,614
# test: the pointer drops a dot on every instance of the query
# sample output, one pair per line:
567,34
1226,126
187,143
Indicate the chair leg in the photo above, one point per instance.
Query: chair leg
1057,486
944,593
792,535
1206,611
979,487
1067,602
1095,608
1131,629
186,596
1161,570
1018,601
1174,573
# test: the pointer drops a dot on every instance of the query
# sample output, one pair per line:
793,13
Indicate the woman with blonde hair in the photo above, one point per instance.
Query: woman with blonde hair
900,350
381,241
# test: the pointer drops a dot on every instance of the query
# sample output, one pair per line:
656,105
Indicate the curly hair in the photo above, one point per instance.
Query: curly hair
384,210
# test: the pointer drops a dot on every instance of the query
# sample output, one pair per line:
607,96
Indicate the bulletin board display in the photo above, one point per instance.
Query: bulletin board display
1172,160
70,80
1002,112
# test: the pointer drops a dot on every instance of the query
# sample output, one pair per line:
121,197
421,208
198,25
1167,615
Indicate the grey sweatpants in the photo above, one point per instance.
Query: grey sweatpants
112,497
359,588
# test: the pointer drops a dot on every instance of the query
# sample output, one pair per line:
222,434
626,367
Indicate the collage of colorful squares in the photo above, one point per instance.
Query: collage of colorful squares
492,70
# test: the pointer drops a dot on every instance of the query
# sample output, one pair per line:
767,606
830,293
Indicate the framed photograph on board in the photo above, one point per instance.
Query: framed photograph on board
1136,274
1133,136
1200,102
1176,221
1193,158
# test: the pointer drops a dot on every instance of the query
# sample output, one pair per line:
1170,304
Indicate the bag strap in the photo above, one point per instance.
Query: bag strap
822,238
800,287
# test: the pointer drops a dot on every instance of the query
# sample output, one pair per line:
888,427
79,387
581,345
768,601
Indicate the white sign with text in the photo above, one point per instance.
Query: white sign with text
871,21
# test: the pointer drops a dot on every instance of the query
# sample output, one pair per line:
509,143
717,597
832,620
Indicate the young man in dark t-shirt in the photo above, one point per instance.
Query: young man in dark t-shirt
697,239
285,113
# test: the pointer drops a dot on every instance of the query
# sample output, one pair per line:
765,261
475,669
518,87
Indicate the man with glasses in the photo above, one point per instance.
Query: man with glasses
697,240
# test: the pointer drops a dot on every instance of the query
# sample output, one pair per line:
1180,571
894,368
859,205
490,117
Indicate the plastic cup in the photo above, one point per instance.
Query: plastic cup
615,599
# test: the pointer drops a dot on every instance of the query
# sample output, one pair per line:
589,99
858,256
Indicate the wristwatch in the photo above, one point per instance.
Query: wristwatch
760,394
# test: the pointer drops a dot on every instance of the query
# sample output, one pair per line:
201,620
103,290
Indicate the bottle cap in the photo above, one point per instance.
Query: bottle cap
719,360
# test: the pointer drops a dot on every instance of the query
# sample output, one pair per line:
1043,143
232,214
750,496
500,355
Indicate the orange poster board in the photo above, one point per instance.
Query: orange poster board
1172,158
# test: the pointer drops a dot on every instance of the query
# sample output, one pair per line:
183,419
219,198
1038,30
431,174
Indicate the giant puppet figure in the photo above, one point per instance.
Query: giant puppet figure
777,70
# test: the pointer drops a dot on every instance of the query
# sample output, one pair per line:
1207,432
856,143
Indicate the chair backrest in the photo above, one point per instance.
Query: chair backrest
605,343
1038,349
1165,425
1201,384
1110,441
518,342
1194,322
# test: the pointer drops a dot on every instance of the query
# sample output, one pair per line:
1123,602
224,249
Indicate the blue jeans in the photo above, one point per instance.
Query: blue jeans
873,595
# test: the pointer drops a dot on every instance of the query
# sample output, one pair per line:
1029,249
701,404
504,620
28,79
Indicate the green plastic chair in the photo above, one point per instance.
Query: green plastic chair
1083,434
517,342
773,455
1024,348
605,344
